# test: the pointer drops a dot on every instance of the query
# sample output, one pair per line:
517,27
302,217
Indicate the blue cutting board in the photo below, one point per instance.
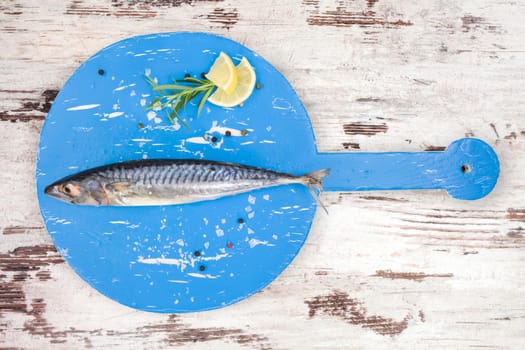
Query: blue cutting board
210,254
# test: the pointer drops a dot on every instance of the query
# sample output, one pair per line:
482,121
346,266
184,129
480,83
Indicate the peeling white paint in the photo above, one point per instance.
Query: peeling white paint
197,140
214,258
114,114
164,261
141,140
255,242
201,275
151,115
83,107
82,128
282,104
119,222
59,220
120,88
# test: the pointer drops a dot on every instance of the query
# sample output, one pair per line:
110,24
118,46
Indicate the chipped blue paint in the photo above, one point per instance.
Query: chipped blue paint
210,254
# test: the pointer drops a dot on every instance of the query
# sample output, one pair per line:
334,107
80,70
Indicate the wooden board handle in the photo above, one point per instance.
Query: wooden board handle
468,169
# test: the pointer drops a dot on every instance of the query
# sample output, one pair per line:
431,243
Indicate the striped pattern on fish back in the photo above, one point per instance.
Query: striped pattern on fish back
177,172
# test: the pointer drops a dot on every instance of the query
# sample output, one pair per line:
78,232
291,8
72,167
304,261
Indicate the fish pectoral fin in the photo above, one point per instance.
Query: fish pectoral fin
117,186
100,198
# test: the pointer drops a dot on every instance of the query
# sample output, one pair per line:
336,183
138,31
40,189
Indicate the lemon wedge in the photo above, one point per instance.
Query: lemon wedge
243,89
223,73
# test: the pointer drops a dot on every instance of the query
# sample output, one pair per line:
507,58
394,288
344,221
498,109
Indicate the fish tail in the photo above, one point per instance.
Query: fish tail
314,182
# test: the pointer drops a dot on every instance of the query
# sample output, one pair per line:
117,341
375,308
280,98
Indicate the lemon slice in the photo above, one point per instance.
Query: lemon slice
223,73
243,90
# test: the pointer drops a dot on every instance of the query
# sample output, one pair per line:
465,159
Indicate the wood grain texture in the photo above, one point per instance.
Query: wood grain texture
385,270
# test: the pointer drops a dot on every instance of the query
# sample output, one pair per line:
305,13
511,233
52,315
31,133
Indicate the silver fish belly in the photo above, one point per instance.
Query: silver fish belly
169,181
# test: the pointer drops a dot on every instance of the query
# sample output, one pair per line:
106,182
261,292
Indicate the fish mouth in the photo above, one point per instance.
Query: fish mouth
52,191
49,189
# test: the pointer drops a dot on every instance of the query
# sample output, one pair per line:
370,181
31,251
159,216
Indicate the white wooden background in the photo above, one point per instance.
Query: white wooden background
383,270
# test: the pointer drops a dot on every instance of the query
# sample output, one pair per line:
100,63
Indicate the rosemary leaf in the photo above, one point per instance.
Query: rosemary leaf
192,80
170,117
169,87
179,118
154,103
174,97
203,100
151,81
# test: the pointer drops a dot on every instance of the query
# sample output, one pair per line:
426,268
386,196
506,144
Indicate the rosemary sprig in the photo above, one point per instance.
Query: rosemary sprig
173,97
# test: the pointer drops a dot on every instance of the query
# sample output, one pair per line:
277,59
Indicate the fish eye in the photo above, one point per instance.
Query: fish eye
67,189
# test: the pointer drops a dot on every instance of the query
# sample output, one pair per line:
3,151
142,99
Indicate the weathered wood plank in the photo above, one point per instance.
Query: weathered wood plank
382,270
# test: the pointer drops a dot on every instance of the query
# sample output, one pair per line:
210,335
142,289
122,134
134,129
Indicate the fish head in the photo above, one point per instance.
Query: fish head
82,192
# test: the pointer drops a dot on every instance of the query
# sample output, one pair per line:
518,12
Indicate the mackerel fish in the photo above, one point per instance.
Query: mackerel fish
170,181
